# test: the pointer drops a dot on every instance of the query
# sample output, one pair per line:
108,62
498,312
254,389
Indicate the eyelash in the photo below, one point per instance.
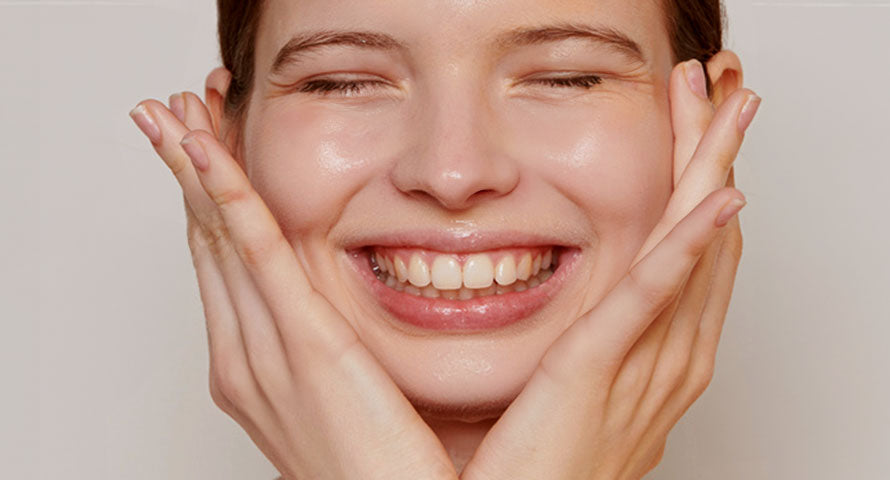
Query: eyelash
325,87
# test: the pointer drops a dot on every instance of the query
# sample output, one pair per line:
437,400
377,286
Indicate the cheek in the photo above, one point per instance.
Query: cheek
614,159
308,162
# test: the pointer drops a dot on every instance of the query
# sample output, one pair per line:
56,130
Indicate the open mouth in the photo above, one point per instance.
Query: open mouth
463,291
462,277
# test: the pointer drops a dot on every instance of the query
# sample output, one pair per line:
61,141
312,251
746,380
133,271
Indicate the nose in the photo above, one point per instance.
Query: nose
456,160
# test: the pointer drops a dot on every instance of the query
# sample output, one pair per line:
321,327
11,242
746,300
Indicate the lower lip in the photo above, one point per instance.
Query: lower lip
482,313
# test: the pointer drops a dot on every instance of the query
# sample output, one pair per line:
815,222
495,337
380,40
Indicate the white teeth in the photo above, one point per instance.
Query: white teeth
401,269
524,269
418,272
478,271
446,273
505,273
477,278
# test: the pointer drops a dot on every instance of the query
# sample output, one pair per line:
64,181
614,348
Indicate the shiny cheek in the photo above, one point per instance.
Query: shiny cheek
613,158
307,161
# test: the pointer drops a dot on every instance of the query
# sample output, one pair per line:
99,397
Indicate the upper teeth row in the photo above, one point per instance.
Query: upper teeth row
478,271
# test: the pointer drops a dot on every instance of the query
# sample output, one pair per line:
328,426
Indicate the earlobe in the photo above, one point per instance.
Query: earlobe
725,72
215,89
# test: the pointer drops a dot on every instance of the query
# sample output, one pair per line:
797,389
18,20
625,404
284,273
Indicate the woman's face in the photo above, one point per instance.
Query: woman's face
476,136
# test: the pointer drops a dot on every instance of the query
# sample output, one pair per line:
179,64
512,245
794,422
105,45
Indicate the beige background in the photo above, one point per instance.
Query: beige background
103,351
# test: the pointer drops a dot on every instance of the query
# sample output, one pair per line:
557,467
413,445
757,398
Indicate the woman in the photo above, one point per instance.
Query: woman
487,239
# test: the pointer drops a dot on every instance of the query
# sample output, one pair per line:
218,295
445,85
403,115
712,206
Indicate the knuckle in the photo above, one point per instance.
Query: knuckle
229,390
214,239
219,399
702,377
659,454
258,250
178,164
635,378
229,198
672,374
734,243
653,293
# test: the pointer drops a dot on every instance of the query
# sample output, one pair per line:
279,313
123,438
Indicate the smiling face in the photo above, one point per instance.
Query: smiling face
465,141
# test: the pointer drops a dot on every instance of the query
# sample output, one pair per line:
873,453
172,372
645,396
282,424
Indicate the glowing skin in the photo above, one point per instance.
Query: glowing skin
457,140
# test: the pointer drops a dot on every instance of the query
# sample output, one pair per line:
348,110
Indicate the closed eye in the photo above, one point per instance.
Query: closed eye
583,81
354,87
350,87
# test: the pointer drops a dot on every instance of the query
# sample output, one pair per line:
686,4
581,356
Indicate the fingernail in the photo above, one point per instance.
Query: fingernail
195,152
729,211
748,111
145,123
695,77
177,105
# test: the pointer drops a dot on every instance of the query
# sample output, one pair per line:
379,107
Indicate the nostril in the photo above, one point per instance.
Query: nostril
454,202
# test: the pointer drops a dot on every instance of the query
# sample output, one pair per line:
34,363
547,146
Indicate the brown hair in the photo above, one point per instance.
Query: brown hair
695,28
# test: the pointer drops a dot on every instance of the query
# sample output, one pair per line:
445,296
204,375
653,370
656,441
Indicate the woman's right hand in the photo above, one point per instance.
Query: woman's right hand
284,363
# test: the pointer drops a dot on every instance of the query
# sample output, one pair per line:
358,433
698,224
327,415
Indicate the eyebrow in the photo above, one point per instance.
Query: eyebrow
303,43
605,35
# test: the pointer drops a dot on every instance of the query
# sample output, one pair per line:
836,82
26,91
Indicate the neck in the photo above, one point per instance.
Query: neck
460,438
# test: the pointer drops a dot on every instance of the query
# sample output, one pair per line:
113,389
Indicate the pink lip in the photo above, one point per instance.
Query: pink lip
455,240
476,314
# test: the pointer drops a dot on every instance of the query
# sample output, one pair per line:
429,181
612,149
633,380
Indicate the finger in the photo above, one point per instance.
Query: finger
165,132
674,355
635,372
266,254
705,348
194,113
702,357
691,112
601,338
710,164
223,329
669,366
260,336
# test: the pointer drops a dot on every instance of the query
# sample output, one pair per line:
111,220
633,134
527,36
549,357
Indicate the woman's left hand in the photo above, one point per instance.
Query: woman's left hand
608,391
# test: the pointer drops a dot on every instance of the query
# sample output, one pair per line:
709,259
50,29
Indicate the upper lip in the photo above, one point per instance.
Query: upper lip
455,240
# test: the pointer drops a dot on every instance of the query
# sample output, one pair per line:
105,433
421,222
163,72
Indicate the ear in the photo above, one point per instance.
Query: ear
215,89
725,72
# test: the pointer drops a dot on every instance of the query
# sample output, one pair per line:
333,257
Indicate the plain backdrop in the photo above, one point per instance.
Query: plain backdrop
103,347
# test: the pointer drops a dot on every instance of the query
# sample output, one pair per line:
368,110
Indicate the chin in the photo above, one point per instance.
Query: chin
467,380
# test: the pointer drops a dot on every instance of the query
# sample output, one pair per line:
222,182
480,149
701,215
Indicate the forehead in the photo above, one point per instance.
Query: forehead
463,27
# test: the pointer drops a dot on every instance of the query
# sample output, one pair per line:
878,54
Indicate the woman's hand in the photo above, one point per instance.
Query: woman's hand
283,362
607,392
